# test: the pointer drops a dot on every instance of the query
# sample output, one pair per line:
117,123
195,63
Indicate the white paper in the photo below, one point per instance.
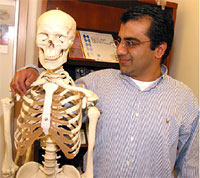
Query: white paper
98,46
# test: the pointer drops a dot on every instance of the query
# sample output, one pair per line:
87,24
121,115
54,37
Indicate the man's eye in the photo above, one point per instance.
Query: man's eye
131,43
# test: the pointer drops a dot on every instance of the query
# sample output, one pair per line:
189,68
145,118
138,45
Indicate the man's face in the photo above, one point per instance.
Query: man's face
137,61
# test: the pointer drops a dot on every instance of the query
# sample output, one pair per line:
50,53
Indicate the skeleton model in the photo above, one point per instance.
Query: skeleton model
52,107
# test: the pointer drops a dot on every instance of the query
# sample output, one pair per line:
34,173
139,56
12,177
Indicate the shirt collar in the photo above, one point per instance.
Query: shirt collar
164,72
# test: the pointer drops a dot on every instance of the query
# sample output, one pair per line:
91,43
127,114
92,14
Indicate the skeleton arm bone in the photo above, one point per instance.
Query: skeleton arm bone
9,168
93,114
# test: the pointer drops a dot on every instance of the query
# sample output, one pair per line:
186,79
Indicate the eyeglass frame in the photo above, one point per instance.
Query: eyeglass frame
129,42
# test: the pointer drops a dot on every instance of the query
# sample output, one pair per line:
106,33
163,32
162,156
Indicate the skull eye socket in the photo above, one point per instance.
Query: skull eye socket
61,38
42,37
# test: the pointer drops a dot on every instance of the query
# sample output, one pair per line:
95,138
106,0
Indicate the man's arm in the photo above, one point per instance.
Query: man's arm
188,159
187,163
23,79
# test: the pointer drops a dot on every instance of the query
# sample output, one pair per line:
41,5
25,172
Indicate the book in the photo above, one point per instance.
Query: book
76,51
98,46
82,71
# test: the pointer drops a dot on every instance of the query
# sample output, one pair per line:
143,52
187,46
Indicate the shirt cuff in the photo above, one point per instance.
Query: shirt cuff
33,67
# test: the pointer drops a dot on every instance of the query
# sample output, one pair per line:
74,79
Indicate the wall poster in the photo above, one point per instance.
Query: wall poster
7,14
4,39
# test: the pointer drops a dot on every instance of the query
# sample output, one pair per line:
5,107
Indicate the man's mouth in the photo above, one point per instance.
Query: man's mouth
124,60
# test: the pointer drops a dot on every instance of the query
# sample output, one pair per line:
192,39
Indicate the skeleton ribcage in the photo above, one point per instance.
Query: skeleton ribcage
65,123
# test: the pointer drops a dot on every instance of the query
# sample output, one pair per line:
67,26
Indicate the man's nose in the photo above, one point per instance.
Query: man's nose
121,49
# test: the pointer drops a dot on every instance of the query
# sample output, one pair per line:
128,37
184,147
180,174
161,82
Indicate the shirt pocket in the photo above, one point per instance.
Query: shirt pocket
171,125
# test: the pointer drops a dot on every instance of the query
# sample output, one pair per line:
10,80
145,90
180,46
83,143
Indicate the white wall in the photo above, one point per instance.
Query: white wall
6,73
7,64
185,57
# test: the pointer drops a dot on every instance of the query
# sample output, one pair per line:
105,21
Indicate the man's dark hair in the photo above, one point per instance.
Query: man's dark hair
162,26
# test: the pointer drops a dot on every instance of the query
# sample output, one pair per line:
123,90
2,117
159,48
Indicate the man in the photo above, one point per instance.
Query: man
149,121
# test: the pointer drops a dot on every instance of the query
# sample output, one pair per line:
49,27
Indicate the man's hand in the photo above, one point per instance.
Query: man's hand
22,80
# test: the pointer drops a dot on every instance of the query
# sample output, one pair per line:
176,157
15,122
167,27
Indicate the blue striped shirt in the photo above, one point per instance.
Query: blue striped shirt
138,132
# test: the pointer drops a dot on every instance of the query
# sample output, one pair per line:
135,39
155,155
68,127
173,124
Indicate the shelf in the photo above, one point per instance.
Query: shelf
90,63
87,13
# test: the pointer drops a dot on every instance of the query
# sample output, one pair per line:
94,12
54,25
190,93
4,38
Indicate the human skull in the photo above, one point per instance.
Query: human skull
55,35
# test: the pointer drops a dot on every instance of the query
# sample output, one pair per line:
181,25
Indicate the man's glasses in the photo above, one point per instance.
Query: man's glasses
129,43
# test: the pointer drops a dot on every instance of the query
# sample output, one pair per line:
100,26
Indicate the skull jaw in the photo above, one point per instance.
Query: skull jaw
55,63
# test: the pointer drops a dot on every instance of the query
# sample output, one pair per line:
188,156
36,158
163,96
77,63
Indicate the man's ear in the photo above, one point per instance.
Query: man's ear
160,50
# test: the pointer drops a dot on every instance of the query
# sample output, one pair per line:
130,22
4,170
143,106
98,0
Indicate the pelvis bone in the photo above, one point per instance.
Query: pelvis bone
50,169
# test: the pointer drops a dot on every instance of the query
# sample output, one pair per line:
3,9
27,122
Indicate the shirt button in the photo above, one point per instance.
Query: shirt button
127,163
132,138
137,114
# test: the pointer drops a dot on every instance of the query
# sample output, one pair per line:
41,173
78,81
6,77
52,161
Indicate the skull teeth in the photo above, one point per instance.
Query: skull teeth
54,57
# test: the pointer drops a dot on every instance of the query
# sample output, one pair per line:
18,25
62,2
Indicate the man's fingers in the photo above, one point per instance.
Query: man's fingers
30,80
12,90
17,86
18,83
32,76
22,87
22,80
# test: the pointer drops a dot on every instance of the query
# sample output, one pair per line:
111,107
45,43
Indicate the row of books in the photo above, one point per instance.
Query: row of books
95,46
